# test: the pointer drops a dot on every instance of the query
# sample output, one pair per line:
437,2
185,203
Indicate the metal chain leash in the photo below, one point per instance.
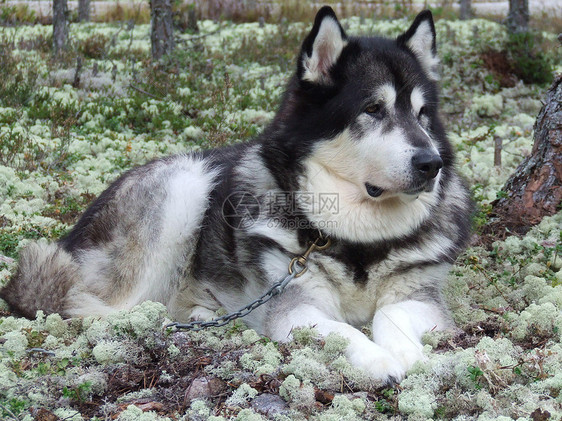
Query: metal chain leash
297,267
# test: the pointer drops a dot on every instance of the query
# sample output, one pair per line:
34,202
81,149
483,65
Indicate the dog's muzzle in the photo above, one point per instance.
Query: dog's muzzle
426,164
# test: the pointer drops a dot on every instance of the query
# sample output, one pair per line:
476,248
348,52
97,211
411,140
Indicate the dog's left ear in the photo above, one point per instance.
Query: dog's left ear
420,40
321,48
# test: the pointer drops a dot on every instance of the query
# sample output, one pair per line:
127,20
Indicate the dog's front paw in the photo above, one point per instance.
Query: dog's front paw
407,354
378,363
201,314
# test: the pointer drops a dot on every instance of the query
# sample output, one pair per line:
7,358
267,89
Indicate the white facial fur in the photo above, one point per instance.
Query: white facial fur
345,163
387,95
417,100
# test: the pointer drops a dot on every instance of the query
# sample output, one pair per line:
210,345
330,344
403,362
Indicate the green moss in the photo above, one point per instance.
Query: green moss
263,358
542,320
487,105
334,345
355,376
55,325
227,370
500,351
173,351
242,395
68,414
554,295
248,415
16,343
535,287
306,365
134,413
198,410
250,336
140,321
305,335
96,330
344,409
299,394
417,403
109,352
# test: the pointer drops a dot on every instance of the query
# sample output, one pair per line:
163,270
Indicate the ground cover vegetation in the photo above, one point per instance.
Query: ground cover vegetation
70,126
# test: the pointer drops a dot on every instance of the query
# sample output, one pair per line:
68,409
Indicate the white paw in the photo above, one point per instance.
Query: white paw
377,362
202,313
407,354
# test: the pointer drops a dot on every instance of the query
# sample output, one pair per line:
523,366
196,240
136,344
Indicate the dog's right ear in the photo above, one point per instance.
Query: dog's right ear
420,40
321,48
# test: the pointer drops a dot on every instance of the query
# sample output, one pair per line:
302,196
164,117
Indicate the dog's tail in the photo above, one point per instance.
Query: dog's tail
45,274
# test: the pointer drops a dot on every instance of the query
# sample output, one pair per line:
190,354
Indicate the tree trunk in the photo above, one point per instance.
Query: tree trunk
60,28
518,16
535,189
162,36
465,9
83,10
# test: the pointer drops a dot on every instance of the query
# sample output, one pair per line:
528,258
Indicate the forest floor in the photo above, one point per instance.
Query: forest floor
64,138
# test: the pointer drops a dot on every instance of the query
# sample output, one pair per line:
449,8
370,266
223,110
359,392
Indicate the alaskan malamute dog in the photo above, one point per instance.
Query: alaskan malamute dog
356,154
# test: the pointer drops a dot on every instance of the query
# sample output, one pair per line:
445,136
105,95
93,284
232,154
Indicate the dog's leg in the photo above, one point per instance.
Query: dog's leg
399,327
363,353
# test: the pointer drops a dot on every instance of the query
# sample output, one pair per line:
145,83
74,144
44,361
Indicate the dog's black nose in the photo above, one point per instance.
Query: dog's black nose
427,163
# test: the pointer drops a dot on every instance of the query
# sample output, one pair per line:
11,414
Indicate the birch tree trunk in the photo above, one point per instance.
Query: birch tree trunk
60,27
162,36
518,16
535,188
83,10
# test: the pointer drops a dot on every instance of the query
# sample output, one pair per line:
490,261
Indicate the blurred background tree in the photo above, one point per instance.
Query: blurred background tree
162,35
60,26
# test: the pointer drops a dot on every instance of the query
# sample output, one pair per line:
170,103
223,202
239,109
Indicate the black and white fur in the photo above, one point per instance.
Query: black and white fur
359,120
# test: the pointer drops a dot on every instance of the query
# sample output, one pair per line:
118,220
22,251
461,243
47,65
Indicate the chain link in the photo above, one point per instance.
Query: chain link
198,325
276,289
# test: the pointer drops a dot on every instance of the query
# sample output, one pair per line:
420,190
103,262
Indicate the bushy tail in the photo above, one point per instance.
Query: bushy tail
44,277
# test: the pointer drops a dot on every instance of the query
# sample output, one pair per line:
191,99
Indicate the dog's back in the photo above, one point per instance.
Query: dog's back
132,244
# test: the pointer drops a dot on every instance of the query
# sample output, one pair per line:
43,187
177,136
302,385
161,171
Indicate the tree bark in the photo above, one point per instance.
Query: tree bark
162,36
83,10
60,27
535,189
518,16
465,9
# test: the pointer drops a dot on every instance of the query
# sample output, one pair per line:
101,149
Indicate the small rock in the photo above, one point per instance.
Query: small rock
204,387
268,404
540,415
42,414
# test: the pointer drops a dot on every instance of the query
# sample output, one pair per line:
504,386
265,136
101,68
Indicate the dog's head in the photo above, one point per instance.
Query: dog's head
365,108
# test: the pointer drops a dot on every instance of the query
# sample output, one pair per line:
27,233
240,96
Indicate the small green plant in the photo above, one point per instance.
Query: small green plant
78,393
12,408
475,374
9,243
530,63
35,339
501,194
385,404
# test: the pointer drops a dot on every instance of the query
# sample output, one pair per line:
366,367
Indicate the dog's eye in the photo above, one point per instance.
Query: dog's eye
375,110
422,112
